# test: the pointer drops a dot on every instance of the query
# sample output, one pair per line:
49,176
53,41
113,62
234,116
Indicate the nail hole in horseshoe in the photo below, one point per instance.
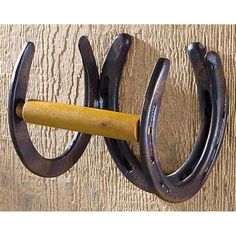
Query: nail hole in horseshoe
149,130
163,186
207,109
126,163
223,115
152,160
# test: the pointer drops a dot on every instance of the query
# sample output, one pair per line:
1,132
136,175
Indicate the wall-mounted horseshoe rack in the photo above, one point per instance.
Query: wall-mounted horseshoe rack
101,95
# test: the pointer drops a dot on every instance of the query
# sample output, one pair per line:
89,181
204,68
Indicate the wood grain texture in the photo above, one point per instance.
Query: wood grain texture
95,183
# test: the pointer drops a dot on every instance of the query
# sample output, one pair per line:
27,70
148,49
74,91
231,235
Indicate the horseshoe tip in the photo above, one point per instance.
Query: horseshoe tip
123,39
213,58
195,45
163,64
28,46
83,41
195,48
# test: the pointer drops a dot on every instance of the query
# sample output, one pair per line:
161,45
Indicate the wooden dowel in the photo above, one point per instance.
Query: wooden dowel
110,124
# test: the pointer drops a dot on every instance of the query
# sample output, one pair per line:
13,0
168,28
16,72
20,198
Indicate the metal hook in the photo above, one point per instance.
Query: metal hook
147,174
29,156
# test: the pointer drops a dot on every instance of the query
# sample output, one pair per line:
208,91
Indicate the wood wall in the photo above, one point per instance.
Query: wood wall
95,183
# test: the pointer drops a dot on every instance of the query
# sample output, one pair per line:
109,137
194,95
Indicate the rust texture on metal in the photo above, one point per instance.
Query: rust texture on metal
102,93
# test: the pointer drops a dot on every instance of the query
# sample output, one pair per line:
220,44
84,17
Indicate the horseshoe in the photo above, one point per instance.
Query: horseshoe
29,156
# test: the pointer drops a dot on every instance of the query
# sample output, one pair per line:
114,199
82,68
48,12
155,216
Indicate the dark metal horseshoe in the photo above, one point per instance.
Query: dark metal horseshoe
109,83
18,128
147,174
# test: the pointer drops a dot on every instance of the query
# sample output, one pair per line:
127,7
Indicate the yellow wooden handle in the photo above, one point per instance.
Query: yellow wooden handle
109,124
